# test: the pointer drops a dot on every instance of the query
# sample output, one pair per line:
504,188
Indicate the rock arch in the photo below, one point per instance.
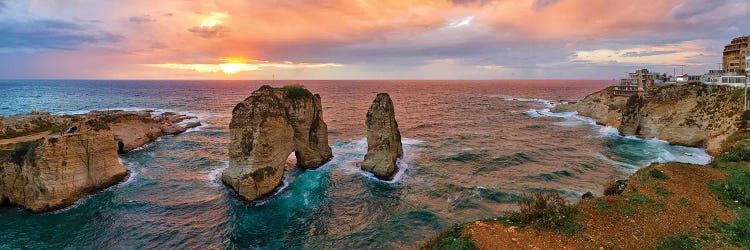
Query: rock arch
265,129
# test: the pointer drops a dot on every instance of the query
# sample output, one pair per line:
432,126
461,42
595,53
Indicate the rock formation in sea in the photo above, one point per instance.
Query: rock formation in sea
383,139
702,116
265,129
133,129
42,167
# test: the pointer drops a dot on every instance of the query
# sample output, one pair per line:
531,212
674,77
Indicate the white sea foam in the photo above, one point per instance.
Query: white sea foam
348,156
195,117
662,149
214,176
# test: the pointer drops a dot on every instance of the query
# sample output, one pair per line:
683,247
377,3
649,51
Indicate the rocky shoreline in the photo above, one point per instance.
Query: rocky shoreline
694,116
50,161
631,216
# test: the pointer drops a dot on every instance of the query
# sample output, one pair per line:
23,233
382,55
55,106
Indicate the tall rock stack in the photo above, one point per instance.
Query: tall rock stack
265,129
383,139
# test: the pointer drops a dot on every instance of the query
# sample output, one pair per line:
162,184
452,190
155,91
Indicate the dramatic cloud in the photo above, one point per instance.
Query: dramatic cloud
647,53
374,39
541,4
217,31
51,34
141,19
671,54
710,10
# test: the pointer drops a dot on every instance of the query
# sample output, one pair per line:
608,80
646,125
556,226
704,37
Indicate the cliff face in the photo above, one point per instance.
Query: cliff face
681,114
383,139
55,172
42,168
134,129
265,129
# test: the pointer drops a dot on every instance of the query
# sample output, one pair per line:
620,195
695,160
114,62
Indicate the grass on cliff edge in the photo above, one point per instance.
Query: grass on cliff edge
735,193
547,210
294,91
451,240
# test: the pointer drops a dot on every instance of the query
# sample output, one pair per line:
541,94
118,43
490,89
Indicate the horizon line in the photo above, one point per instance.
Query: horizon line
276,80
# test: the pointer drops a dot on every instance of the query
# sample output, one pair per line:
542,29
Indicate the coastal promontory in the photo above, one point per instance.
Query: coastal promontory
700,116
383,139
265,129
50,161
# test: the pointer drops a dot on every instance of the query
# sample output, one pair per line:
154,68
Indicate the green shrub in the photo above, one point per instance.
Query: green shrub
452,239
97,124
738,232
296,91
679,242
736,188
547,211
657,174
23,151
735,192
744,118
737,154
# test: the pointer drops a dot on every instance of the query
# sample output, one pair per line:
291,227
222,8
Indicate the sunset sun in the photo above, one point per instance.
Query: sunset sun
232,68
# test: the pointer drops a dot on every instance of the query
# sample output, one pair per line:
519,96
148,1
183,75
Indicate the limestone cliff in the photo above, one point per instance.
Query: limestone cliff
680,114
42,168
134,129
383,139
265,129
55,172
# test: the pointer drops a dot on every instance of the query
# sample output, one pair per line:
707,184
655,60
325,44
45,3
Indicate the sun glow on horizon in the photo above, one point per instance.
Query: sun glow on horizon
236,65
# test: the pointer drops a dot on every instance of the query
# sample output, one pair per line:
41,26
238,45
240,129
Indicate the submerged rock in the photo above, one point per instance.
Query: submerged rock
42,168
265,128
383,139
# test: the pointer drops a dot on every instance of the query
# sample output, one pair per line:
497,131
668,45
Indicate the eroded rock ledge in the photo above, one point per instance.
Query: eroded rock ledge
383,139
698,116
42,167
265,129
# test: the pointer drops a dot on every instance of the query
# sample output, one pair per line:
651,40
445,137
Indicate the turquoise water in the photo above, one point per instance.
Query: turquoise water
470,152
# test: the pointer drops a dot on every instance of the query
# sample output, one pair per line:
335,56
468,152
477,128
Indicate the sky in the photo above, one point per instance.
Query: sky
363,39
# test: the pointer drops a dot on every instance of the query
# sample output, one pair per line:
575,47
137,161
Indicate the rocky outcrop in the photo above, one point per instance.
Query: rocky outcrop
55,172
265,129
42,168
132,129
687,115
383,139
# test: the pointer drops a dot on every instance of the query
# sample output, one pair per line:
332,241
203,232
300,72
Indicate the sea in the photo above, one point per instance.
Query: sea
472,149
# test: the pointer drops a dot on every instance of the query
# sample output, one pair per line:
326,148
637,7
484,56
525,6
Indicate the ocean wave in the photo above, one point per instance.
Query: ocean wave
196,117
214,176
546,103
348,156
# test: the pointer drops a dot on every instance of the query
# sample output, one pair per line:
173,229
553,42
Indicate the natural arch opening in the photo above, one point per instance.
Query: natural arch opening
291,161
120,147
